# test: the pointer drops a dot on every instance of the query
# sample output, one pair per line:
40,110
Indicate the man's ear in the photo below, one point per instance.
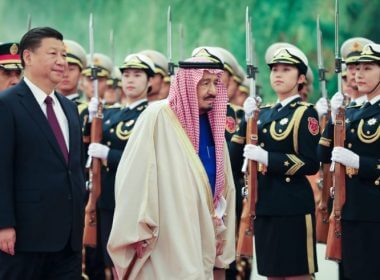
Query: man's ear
27,56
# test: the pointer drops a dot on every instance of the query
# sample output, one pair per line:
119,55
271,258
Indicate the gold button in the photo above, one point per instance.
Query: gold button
352,130
287,179
108,143
377,182
265,130
108,170
112,130
262,145
280,130
349,145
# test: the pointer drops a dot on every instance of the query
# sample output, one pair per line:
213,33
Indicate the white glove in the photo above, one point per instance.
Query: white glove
97,150
256,153
250,105
92,108
322,106
335,103
345,157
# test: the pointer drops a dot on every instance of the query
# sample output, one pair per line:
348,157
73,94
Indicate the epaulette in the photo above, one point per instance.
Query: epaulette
82,107
266,106
354,106
303,103
113,106
236,107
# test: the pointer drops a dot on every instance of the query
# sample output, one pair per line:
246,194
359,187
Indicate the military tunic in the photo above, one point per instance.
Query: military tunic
285,223
361,215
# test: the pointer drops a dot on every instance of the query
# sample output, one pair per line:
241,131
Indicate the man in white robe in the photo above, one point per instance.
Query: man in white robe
170,222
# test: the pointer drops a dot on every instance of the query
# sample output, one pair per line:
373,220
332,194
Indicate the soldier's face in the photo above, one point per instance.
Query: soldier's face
156,84
368,78
206,91
46,64
9,78
351,71
232,88
164,91
135,84
226,78
88,86
70,81
112,95
285,79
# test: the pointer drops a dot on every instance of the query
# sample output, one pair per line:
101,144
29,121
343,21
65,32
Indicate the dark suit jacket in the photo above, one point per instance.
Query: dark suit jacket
41,196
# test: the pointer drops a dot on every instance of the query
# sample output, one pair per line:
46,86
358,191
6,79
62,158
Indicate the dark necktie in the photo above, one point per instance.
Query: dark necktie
53,121
352,103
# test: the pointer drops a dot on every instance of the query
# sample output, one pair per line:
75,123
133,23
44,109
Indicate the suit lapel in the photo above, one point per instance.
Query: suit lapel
31,105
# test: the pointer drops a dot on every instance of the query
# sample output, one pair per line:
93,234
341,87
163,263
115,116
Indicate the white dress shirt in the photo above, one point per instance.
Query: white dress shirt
40,96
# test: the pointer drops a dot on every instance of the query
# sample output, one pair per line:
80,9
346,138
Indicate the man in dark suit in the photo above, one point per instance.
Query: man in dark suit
41,168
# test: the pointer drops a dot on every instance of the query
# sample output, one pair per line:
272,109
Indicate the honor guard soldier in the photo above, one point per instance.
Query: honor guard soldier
161,64
76,58
10,65
118,122
104,67
350,51
361,158
288,134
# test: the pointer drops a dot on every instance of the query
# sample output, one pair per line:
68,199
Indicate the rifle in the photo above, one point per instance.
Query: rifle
90,234
245,238
334,237
322,215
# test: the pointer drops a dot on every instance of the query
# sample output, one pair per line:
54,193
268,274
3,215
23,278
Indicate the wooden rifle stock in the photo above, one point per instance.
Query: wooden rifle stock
334,237
245,238
322,214
90,236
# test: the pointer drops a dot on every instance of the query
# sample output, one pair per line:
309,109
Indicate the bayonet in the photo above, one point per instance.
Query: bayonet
29,22
181,42
321,68
169,42
338,59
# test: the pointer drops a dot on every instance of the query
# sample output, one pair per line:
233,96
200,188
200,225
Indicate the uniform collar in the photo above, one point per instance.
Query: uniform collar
286,101
360,100
374,100
133,105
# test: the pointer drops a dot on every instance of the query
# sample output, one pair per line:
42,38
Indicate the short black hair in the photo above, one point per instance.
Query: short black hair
32,39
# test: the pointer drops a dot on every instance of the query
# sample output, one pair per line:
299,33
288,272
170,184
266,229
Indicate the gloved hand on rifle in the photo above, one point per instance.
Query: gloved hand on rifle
322,106
92,108
335,103
97,150
256,153
250,105
345,156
